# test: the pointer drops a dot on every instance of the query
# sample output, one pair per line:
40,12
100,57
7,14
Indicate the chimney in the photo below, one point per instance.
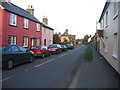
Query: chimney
45,20
30,9
66,30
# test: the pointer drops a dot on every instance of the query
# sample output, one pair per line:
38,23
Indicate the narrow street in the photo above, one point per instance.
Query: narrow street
56,71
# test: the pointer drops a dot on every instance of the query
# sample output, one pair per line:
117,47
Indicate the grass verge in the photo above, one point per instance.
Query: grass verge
88,55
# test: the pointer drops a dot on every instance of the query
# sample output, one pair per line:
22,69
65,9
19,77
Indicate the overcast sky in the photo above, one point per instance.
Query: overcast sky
78,16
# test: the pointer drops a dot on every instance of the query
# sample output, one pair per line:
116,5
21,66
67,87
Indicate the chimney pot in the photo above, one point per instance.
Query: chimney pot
30,9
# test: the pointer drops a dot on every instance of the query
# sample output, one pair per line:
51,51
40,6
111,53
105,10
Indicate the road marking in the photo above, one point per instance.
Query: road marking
44,63
63,55
6,79
26,70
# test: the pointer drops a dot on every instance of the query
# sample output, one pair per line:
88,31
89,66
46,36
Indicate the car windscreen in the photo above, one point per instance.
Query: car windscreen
69,45
53,46
2,49
63,46
35,48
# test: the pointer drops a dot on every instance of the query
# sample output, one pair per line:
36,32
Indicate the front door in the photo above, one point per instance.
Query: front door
45,42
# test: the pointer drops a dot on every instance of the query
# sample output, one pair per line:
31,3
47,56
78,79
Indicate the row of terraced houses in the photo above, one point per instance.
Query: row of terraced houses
109,33
20,27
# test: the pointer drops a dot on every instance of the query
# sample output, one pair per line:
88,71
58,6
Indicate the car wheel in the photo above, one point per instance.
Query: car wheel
56,52
31,59
10,64
43,55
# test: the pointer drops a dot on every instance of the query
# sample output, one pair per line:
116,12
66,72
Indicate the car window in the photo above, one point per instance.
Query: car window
7,49
69,45
59,46
35,48
42,47
14,49
64,46
22,48
53,46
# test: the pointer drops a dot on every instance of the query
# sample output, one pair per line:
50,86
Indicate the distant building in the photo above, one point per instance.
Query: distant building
64,38
110,42
59,34
70,38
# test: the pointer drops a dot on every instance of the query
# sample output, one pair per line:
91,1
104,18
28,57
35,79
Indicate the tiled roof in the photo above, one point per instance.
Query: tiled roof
104,9
19,11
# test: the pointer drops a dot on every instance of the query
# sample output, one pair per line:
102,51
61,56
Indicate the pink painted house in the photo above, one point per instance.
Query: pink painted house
63,38
47,33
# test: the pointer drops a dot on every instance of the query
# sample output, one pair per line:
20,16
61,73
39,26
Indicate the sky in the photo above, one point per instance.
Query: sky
78,16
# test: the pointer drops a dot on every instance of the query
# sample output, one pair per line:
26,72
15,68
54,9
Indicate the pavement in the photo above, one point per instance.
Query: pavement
96,74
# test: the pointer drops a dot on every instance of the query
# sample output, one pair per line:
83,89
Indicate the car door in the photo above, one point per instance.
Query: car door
47,51
15,52
59,48
42,50
25,56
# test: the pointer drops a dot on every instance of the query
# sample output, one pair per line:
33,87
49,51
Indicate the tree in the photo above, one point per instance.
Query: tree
85,40
77,41
56,39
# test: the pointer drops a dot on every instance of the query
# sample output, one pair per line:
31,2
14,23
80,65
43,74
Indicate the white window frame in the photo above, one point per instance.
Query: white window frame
37,41
12,41
101,25
106,44
13,19
38,27
115,7
26,23
115,45
50,42
106,20
25,41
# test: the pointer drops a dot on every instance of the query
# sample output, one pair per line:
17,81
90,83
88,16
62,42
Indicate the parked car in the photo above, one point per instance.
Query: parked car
70,46
15,54
55,48
41,51
64,48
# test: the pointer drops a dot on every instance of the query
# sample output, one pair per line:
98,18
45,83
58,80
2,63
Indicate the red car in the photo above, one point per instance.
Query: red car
55,48
41,51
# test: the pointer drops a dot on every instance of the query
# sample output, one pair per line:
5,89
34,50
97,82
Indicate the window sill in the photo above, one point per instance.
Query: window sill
25,46
38,31
106,26
13,25
115,57
26,28
115,17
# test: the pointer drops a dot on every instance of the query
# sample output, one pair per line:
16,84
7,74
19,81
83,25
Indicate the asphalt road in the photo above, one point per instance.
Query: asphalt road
56,71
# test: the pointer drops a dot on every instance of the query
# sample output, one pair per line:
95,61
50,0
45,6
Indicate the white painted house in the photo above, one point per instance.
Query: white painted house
110,43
